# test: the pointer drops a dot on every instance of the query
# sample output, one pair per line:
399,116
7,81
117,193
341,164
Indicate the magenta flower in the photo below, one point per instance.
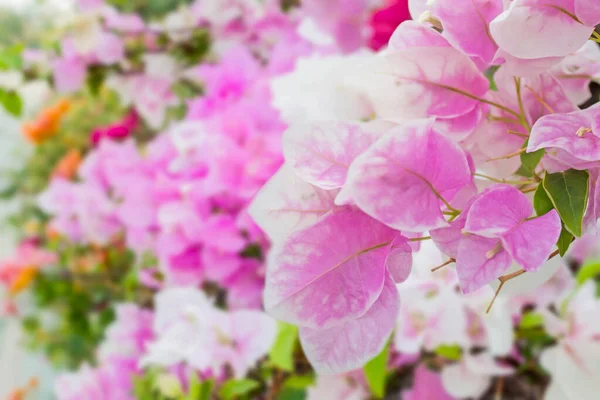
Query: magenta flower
385,20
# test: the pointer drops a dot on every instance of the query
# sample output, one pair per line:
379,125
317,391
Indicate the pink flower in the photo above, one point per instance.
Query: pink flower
427,385
69,74
336,295
571,139
190,329
385,20
497,230
395,181
118,130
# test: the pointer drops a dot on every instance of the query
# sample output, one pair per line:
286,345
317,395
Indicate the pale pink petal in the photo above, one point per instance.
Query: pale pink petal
532,241
466,25
330,272
497,210
533,29
560,131
413,34
399,260
321,153
479,261
254,333
352,344
462,127
287,203
400,178
462,383
588,12
429,81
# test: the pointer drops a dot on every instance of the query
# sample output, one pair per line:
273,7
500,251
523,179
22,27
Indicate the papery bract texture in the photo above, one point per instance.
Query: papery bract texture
329,273
351,344
321,153
402,179
287,203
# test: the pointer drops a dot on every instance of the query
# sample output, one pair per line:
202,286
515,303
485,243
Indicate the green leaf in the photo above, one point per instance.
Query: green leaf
196,388
239,387
588,271
282,352
541,202
531,320
375,372
10,57
451,352
299,381
529,161
11,102
489,74
564,241
292,394
568,192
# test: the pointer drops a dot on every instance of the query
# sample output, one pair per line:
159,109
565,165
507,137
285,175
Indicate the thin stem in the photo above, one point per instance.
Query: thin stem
507,156
596,35
540,99
503,279
504,180
529,190
522,116
420,239
481,100
503,119
450,261
511,132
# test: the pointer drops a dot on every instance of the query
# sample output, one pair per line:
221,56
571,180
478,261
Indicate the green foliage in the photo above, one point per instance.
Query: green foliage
450,352
568,192
531,320
489,74
11,102
530,161
543,205
237,388
148,9
199,390
376,374
10,58
589,270
282,352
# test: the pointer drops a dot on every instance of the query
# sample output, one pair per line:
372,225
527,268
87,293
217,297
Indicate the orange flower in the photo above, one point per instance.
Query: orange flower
22,280
68,165
47,123
21,393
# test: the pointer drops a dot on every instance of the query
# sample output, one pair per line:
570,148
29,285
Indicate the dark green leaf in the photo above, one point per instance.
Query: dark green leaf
282,352
239,387
568,192
292,394
529,161
541,202
375,372
564,241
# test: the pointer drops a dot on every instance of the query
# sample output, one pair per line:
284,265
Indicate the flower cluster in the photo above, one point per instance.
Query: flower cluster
467,121
415,200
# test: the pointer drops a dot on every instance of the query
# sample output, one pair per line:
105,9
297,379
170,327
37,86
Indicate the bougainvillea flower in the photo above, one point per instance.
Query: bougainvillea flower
384,21
466,25
531,29
427,385
331,272
498,229
423,88
321,153
352,343
472,376
287,203
404,178
577,70
207,338
569,139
